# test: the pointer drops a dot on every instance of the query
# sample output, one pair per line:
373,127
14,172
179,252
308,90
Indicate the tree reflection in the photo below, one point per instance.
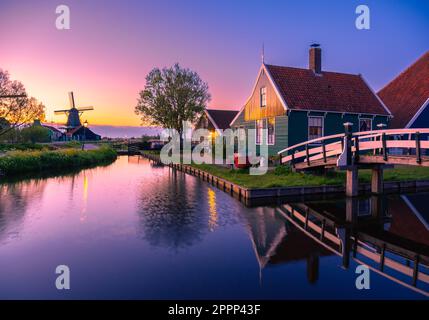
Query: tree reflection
172,212
14,200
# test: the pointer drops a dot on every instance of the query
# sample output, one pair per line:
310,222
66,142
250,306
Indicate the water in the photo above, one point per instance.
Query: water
138,231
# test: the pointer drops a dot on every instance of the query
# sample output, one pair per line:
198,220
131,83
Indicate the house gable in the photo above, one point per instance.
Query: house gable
252,109
407,94
274,106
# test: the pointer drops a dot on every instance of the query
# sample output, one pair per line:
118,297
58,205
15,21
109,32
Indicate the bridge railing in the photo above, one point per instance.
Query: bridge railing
378,254
378,141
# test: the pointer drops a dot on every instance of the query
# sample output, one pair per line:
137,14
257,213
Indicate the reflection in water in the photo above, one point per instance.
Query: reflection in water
14,200
389,235
171,235
276,241
170,209
83,215
211,197
392,241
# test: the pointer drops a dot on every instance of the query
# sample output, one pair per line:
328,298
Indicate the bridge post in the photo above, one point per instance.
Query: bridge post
377,180
345,161
352,186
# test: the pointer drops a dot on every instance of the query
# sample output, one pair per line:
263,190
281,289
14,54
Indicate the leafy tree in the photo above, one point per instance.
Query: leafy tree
17,111
171,96
35,134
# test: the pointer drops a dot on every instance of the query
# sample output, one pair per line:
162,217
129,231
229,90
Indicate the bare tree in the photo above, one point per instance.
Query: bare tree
16,108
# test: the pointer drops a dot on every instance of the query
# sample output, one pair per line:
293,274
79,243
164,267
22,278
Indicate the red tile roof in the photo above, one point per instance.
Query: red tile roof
222,118
74,130
302,89
407,93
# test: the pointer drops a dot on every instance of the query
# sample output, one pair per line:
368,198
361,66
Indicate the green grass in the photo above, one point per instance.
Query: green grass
282,177
271,179
153,152
22,162
291,179
398,174
22,146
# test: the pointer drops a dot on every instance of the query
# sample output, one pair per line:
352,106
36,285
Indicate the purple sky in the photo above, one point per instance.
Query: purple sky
112,45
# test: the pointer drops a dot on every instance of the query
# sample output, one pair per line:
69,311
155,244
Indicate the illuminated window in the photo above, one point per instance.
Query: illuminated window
259,128
271,124
263,97
315,127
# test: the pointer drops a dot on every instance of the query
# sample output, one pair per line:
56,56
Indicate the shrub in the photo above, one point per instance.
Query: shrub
35,134
15,162
282,170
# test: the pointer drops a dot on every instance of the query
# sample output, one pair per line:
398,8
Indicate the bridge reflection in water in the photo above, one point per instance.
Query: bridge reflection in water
389,235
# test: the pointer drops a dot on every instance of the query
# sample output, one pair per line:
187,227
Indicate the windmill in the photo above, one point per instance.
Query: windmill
73,114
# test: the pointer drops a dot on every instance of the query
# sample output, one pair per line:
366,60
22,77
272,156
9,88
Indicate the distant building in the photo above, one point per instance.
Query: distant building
216,119
54,133
407,96
81,133
155,144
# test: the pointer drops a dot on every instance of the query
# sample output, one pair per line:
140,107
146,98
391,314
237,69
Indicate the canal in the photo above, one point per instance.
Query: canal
135,230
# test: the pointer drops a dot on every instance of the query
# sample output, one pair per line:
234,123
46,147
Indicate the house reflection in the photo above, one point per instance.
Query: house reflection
277,241
410,217
389,235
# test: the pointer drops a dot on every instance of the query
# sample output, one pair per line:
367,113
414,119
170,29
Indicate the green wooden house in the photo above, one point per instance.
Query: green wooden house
297,105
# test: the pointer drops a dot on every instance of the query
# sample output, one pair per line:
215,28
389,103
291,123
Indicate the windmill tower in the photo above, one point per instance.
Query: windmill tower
73,114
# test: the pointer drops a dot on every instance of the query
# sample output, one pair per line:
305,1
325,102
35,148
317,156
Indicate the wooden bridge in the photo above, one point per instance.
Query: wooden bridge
376,150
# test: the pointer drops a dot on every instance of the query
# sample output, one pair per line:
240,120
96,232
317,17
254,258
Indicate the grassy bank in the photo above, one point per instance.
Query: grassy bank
21,162
276,178
282,177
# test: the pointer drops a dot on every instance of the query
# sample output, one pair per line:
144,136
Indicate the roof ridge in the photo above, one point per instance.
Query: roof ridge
323,71
231,110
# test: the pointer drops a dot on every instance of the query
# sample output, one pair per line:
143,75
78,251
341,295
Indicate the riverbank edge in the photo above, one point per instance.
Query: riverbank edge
36,162
283,192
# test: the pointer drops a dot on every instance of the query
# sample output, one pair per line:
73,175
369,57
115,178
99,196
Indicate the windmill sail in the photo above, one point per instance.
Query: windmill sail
85,108
71,99
61,111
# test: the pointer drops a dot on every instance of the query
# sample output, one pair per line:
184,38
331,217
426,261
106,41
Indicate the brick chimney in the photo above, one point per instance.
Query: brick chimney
315,58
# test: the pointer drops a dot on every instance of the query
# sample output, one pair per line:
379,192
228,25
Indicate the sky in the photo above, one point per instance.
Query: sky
112,45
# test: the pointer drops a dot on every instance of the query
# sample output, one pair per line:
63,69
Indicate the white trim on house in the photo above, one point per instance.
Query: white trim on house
415,211
273,84
414,118
375,94
211,119
340,112
286,107
276,89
